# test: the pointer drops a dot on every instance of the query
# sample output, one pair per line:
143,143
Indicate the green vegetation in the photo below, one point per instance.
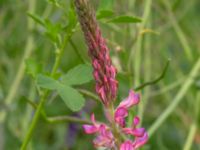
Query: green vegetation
46,85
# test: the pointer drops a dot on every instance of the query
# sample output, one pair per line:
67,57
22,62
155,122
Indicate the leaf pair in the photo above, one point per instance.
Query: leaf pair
72,98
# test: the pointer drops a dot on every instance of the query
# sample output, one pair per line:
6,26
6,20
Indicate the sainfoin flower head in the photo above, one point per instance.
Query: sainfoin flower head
108,135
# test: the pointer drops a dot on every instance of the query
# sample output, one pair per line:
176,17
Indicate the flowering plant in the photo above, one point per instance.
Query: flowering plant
112,135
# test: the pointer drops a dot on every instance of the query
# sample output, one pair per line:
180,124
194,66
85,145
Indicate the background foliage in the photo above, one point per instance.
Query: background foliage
142,36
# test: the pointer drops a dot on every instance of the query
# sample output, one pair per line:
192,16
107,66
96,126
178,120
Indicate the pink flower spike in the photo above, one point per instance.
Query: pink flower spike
132,99
140,141
120,114
127,145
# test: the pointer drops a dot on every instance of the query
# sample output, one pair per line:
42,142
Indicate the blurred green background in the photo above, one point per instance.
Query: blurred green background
140,51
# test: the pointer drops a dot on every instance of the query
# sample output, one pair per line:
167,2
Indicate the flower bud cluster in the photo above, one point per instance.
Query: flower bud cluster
104,72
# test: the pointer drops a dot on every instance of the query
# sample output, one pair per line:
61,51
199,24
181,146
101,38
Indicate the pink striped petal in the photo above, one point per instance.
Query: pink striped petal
138,132
132,99
104,138
127,130
127,145
120,114
140,141
90,129
136,121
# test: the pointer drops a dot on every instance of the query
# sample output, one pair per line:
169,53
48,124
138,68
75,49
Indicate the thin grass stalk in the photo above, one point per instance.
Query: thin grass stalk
136,53
194,125
182,37
28,50
147,76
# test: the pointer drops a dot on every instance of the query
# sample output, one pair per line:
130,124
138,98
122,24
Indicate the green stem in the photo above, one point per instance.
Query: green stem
190,137
90,94
28,50
194,126
177,99
134,62
147,76
116,133
59,53
59,119
168,87
136,53
34,121
179,31
156,80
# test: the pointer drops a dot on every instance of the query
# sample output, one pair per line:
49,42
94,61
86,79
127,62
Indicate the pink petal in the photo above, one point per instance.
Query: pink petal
103,130
96,75
92,118
89,129
132,99
136,121
127,145
114,85
102,94
120,121
140,141
120,114
138,132
105,137
96,64
127,130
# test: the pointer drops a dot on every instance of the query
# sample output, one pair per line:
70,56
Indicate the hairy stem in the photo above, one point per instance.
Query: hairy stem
113,125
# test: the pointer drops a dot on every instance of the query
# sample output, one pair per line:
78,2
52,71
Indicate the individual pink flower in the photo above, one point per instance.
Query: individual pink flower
140,141
138,132
120,114
137,143
122,110
131,100
104,137
90,129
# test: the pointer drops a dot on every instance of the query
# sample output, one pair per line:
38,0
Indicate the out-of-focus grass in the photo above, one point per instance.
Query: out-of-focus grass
138,57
